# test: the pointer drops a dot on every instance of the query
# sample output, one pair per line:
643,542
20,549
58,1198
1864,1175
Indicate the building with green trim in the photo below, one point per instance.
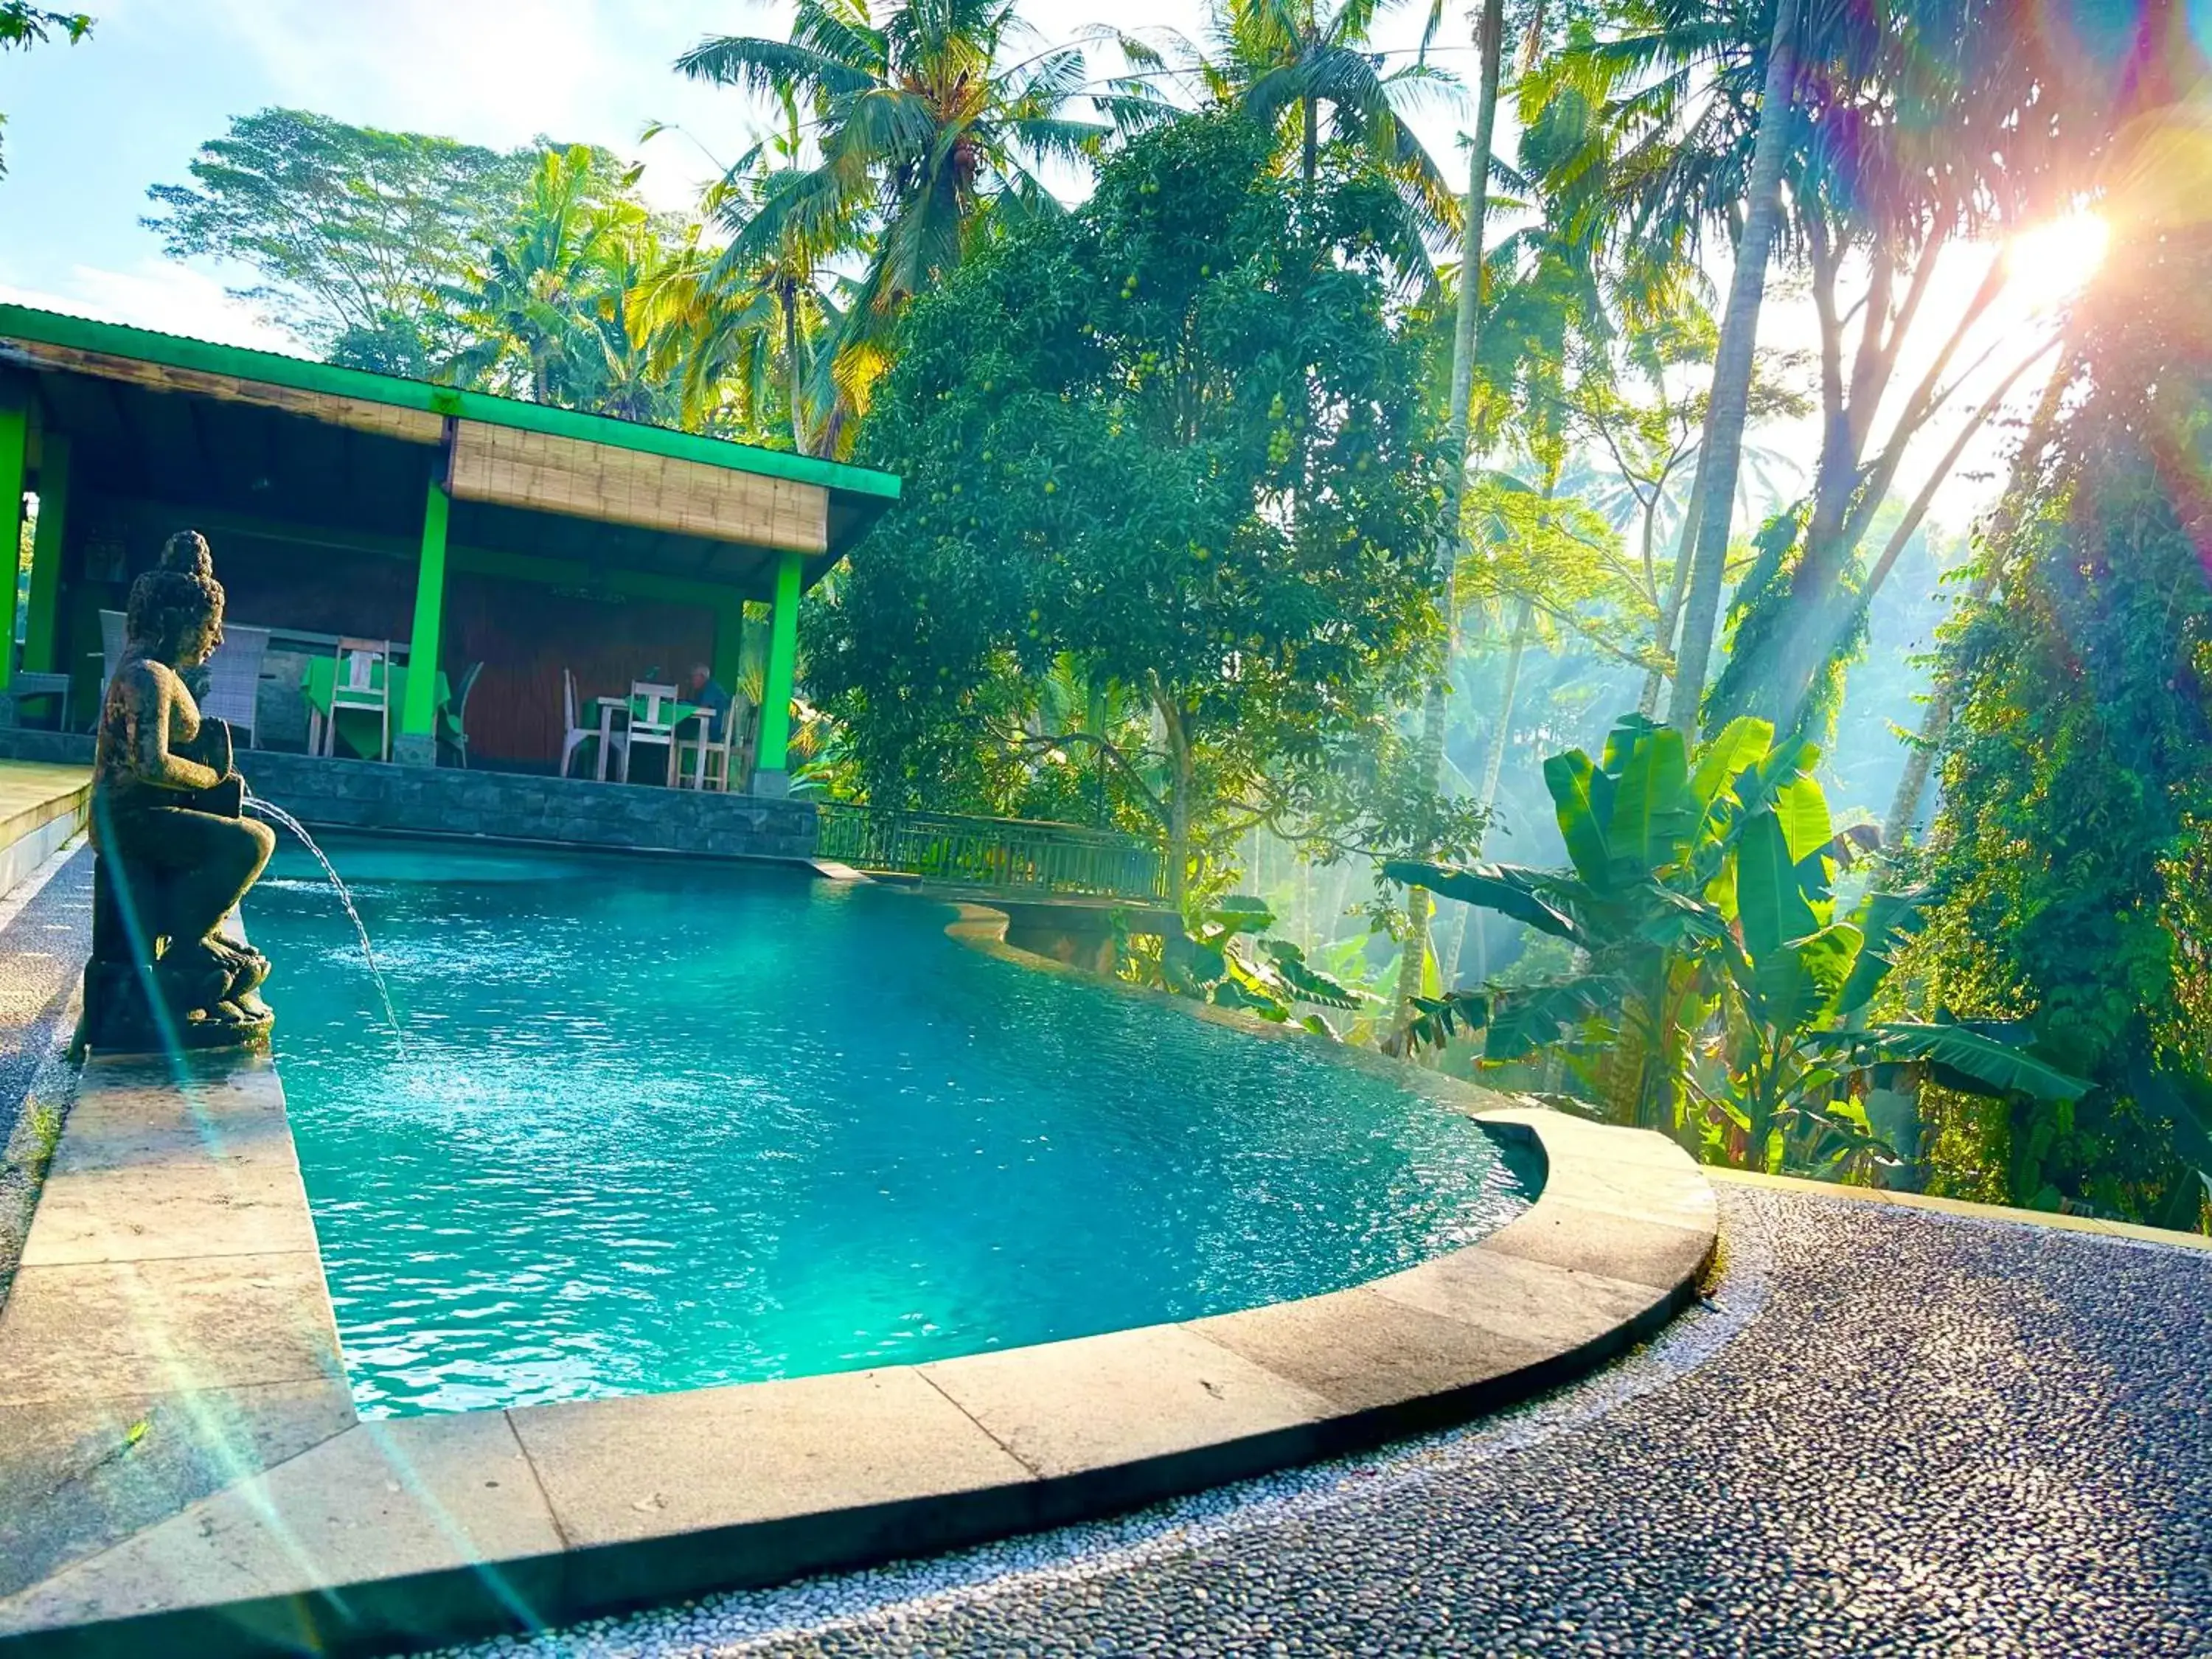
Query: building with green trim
462,526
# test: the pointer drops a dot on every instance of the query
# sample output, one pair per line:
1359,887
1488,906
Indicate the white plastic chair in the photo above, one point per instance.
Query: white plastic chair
235,680
654,724
719,763
455,734
359,684
575,734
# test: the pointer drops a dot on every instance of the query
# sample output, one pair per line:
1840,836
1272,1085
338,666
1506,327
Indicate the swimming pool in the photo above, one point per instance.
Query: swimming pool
660,1124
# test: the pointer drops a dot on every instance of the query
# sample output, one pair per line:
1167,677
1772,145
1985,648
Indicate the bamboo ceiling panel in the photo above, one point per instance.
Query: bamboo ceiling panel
549,474
414,426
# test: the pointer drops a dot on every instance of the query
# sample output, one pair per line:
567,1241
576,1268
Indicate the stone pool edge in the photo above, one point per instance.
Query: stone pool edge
371,1535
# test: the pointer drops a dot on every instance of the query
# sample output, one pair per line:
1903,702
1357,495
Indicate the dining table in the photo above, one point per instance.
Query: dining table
632,707
360,728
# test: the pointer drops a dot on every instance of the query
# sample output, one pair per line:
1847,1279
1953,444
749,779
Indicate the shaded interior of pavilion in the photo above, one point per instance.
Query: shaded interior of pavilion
462,528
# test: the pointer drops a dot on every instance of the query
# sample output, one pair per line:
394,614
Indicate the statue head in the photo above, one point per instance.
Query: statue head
175,611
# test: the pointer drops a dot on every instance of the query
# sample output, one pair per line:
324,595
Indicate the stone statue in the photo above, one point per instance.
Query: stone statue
175,852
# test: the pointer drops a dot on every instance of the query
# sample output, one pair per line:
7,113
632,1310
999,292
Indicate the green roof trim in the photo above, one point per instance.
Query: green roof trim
180,351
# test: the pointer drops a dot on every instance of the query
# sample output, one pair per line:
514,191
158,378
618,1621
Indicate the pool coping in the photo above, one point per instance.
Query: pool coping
286,1522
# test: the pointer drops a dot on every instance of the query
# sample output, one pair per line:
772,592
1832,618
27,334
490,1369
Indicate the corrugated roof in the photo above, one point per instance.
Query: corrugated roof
24,323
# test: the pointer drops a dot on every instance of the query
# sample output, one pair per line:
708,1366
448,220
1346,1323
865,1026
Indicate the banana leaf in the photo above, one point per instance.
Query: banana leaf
1736,747
1436,1020
1801,806
1769,899
1581,800
1511,890
1654,814
1818,967
1960,1058
1310,984
1523,1020
1887,920
1630,732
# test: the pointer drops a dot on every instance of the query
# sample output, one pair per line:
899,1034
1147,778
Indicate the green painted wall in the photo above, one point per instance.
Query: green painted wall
41,642
15,466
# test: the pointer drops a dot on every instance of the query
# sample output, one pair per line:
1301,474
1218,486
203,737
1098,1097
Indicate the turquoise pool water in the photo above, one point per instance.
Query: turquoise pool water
658,1125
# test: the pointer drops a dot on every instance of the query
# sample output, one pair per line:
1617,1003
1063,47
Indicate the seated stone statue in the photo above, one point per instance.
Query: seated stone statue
175,852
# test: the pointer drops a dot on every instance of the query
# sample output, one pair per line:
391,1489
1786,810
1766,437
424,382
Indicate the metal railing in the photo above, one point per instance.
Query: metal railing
1006,854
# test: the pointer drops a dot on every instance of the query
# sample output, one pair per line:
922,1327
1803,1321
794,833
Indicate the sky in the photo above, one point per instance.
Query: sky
90,127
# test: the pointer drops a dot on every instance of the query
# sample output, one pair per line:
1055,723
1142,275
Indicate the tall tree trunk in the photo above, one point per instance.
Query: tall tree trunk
794,372
1310,156
1494,763
1722,447
1493,766
1842,617
1670,617
1849,488
1905,806
1936,724
1489,36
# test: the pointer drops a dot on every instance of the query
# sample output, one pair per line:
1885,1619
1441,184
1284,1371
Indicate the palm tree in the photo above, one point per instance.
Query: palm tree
1934,128
1489,36
1285,62
1694,56
749,318
926,124
1895,129
541,306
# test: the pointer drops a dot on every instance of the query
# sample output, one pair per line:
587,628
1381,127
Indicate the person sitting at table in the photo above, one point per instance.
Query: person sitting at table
709,694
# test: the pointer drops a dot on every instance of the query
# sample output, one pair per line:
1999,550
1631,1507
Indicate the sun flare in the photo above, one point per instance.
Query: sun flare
2049,263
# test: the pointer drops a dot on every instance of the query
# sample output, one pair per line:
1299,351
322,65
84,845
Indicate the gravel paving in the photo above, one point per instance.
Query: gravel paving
1889,1433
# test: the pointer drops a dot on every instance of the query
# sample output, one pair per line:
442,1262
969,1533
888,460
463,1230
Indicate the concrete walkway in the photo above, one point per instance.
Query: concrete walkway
1894,1432
46,934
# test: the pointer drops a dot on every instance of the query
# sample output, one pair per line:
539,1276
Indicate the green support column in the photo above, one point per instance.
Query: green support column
417,743
42,630
772,776
14,448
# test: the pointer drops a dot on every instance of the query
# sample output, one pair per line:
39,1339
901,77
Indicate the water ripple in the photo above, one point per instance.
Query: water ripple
664,1126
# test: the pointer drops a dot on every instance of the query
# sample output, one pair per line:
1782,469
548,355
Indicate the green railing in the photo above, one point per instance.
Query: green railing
1004,855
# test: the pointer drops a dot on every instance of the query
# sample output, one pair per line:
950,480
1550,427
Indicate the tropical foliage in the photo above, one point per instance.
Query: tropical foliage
934,127
1178,439
2071,860
1719,995
23,26
1228,960
1312,499
357,233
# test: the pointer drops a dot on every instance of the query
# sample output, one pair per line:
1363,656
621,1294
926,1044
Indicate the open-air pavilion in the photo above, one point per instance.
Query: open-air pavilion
461,526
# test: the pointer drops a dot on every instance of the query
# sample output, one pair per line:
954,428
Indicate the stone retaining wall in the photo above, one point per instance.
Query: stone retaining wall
350,794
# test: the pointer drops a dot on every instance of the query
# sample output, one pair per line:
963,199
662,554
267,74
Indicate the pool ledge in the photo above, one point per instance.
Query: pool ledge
372,1535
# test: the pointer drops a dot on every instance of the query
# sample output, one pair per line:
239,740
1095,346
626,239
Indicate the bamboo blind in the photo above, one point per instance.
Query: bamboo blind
414,426
550,474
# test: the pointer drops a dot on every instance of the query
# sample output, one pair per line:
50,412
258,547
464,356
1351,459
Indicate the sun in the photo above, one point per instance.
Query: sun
2049,263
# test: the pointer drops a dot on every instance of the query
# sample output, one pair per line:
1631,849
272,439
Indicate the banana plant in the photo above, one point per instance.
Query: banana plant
1718,997
1228,959
1646,833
